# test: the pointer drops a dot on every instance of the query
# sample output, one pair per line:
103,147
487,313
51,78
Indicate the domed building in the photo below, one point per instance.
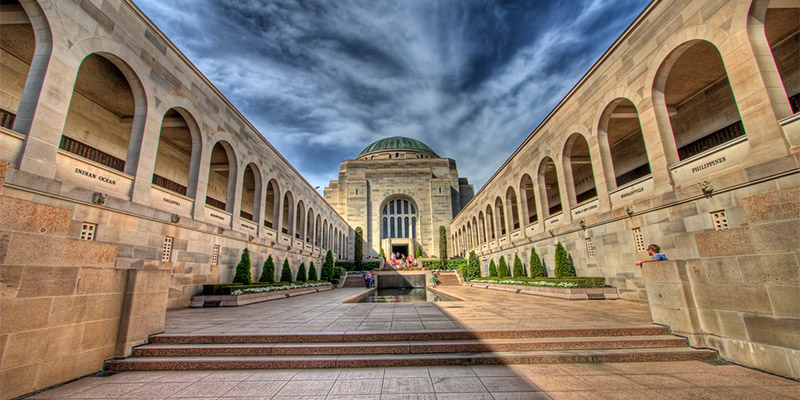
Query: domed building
399,191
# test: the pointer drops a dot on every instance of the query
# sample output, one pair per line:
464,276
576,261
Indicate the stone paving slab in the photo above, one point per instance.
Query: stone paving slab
652,381
481,310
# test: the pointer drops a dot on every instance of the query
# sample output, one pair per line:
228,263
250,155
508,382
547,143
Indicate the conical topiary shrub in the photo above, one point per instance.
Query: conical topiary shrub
502,268
268,272
286,272
327,267
492,268
442,247
243,269
419,252
301,273
519,270
473,269
537,269
358,248
381,254
312,272
563,266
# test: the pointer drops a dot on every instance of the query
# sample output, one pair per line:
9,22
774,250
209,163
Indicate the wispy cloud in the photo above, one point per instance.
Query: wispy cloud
322,79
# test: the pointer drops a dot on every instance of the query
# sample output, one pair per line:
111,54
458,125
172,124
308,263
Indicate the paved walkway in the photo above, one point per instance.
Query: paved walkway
481,310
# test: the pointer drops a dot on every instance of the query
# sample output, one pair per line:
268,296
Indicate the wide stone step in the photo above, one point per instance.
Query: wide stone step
400,360
407,347
418,336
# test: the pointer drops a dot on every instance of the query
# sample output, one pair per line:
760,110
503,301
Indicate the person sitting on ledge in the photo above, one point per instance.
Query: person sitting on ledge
654,251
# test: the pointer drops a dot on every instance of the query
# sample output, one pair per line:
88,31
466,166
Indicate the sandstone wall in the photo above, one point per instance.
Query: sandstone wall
65,304
743,296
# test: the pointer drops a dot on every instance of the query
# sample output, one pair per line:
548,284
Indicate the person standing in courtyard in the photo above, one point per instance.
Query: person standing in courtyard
368,279
654,251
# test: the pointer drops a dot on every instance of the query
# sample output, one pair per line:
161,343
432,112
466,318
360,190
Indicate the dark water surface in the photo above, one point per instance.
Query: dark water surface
409,295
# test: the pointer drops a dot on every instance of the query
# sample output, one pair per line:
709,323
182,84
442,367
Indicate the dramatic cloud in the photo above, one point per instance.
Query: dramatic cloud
323,79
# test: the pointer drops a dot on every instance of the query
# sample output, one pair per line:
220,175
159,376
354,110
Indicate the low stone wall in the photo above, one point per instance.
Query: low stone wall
742,295
392,279
749,312
607,293
65,306
250,298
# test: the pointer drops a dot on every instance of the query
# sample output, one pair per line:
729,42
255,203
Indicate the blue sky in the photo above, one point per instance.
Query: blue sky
322,79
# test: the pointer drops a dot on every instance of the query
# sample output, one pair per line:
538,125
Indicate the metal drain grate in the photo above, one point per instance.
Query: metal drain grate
596,296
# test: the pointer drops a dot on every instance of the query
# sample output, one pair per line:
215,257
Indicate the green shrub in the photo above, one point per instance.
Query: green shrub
312,272
327,267
381,254
365,265
419,252
502,268
582,282
443,246
338,272
243,269
537,269
210,290
564,267
451,265
227,288
358,252
492,269
473,267
301,273
519,270
286,272
268,272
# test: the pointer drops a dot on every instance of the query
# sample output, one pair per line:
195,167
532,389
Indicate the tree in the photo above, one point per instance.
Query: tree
286,272
502,268
359,248
564,267
519,270
419,252
473,269
537,269
492,268
327,267
381,254
301,273
443,246
268,272
312,272
243,269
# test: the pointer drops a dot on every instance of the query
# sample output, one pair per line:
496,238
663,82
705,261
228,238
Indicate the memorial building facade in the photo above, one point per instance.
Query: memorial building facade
399,191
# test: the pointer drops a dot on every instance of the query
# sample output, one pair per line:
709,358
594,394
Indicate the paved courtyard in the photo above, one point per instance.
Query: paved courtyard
480,310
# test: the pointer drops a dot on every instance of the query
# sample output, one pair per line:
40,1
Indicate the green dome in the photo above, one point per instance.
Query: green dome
397,143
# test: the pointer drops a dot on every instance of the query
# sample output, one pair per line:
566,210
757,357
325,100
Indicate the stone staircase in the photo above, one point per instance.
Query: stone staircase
395,349
448,279
354,280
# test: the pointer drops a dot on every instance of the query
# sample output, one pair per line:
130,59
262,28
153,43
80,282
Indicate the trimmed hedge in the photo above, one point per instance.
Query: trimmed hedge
582,282
226,288
452,265
365,265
